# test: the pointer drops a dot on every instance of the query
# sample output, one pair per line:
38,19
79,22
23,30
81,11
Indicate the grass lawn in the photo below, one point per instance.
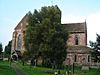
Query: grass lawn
92,72
46,71
36,70
5,69
78,71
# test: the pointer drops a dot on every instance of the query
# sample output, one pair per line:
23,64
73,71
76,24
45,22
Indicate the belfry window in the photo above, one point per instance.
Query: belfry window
19,42
76,40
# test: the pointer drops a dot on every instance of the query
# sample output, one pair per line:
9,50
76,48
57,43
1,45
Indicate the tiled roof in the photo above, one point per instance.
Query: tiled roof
75,27
79,49
70,27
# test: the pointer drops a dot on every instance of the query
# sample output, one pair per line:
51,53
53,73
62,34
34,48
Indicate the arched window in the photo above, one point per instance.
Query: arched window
19,42
76,40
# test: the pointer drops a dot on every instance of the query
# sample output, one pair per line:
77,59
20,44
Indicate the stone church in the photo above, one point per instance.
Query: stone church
77,50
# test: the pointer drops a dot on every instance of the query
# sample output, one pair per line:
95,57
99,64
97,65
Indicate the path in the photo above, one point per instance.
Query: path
18,70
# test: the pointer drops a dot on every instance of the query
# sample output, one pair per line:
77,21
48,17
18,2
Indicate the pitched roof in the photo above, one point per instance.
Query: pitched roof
23,22
78,49
71,27
75,27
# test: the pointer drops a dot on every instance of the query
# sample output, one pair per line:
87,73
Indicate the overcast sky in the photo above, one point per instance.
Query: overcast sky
12,11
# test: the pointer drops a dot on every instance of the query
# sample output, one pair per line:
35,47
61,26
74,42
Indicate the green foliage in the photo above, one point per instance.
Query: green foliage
8,48
1,49
96,49
46,36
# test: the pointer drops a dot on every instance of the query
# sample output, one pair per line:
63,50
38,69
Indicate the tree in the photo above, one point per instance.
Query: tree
8,48
46,36
31,36
96,49
1,48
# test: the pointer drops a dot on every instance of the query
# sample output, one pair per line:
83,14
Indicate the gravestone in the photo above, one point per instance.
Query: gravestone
85,67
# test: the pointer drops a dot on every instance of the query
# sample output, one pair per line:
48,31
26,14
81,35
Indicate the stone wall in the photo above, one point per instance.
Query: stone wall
19,30
81,39
77,58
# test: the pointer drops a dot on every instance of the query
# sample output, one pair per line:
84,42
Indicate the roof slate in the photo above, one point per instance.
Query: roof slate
79,49
70,27
75,27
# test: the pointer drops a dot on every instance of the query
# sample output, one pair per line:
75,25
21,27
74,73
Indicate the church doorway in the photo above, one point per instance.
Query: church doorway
14,57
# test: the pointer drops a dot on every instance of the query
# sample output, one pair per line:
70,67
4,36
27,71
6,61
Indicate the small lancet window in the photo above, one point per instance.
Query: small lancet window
88,58
75,58
76,40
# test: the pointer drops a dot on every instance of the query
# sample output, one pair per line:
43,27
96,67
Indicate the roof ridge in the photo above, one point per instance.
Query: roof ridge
74,23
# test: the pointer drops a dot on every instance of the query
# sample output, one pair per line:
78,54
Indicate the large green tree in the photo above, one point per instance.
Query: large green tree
1,48
96,49
46,36
8,48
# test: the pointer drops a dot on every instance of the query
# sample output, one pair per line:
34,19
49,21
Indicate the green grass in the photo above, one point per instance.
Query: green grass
78,71
92,72
5,69
35,70
38,70
43,71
